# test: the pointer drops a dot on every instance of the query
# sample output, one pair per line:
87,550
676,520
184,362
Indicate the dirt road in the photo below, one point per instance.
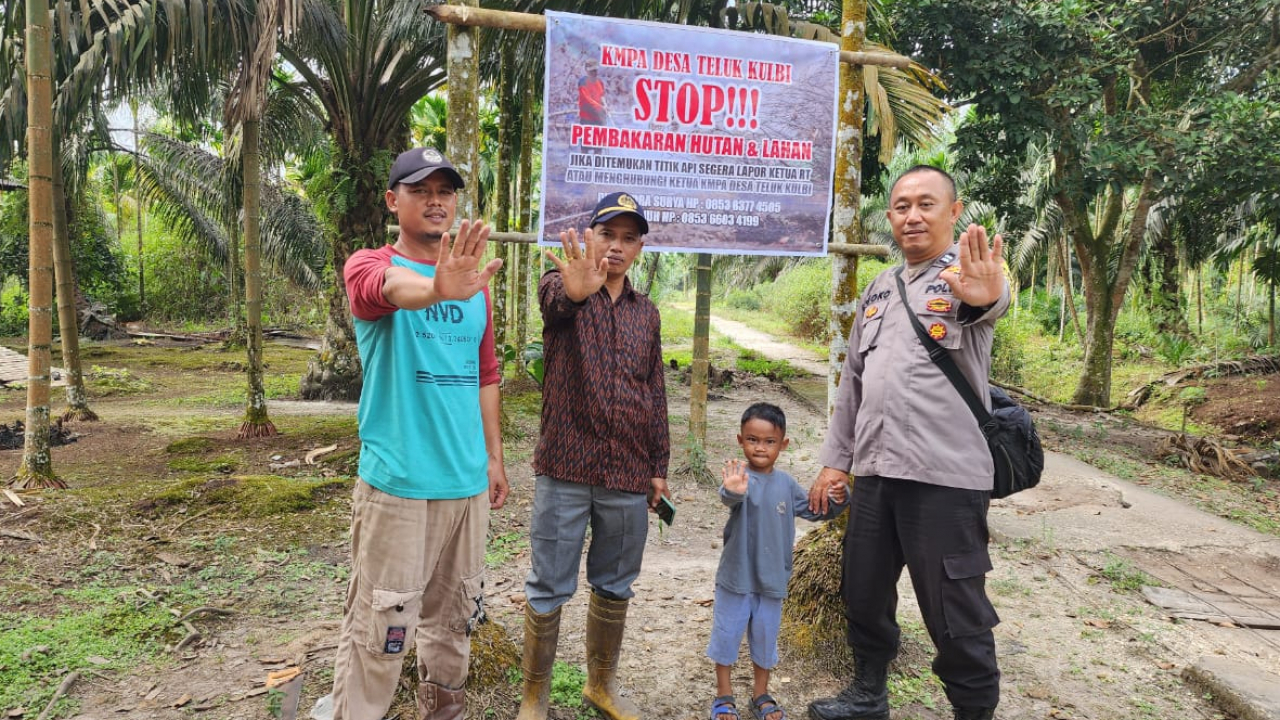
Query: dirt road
1078,640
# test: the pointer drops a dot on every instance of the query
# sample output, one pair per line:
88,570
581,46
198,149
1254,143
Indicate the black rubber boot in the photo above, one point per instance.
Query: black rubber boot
866,698
974,713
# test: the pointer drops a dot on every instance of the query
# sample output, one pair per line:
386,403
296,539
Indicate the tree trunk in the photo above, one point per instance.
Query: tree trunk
846,228
503,289
1271,315
846,220
334,373
463,135
137,195
236,300
651,275
1062,317
1239,290
1068,292
68,322
1166,299
1104,294
37,463
1094,387
256,423
529,254
1199,302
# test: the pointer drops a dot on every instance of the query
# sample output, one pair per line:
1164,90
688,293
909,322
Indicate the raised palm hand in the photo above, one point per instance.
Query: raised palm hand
981,280
582,272
458,272
735,476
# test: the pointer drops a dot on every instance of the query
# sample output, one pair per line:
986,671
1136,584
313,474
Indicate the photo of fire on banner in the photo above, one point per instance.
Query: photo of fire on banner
726,138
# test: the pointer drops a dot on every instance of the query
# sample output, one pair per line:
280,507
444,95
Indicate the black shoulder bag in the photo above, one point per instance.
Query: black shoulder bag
1010,434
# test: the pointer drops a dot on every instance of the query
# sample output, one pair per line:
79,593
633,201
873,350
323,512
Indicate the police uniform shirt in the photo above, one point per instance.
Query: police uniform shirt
896,414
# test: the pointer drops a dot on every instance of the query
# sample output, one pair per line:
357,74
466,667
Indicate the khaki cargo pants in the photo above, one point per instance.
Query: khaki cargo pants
417,569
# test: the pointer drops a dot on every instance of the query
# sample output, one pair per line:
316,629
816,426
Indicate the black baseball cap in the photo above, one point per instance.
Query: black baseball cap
619,203
415,164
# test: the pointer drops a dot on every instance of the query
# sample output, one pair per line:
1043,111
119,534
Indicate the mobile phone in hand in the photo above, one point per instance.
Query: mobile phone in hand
666,510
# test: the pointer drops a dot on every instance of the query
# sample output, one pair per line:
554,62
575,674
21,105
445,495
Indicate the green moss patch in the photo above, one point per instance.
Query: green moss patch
246,495
222,464
190,446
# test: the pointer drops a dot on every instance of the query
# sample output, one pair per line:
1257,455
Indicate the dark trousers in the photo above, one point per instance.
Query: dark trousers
940,535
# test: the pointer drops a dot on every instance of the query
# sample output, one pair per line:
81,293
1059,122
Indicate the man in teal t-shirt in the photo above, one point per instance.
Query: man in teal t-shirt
431,453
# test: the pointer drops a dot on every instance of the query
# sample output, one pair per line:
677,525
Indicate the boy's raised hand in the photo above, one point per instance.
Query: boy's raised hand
583,274
735,476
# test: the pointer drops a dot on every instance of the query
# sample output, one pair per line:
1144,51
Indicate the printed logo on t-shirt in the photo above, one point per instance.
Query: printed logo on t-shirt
427,377
438,319
445,312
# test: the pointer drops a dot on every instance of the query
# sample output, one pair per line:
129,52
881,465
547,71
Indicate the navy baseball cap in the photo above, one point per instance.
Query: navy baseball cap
413,165
615,204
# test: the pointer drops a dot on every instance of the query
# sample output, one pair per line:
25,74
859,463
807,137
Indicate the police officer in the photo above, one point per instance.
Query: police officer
924,472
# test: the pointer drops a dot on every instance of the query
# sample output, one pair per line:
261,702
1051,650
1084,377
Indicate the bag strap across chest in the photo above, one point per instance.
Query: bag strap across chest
942,359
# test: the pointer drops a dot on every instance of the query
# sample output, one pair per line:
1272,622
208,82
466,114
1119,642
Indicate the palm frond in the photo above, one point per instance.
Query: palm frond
178,183
292,240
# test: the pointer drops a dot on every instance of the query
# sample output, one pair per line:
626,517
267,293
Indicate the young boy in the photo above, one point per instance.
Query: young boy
755,565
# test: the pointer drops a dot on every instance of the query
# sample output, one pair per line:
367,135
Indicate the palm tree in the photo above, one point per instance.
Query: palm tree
364,63
196,195
100,45
37,465
245,109
68,322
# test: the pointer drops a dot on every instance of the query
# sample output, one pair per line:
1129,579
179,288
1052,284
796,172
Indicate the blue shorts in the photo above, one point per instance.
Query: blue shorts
757,616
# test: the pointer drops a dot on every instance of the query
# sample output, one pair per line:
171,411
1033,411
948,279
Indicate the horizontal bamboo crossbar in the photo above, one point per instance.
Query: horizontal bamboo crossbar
506,20
524,238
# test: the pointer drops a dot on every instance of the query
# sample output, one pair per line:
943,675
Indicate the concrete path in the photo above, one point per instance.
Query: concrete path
1078,508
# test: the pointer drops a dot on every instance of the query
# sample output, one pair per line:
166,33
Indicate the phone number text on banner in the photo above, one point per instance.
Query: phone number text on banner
726,138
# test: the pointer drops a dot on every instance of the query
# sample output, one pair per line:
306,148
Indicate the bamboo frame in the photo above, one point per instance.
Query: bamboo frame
524,238
506,20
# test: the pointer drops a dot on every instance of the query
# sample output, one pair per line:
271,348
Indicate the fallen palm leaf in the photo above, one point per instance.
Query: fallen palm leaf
1206,457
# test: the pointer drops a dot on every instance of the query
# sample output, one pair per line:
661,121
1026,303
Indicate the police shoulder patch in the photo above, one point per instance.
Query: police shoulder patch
937,331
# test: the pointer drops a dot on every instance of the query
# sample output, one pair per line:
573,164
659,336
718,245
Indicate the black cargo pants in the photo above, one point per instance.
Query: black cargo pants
940,535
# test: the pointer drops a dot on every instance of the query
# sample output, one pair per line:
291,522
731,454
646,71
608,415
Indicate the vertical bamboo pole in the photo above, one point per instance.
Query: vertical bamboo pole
701,350
37,463
502,289
846,222
463,138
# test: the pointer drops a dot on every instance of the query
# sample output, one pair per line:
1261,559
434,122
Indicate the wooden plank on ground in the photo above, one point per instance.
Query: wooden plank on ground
1262,611
15,369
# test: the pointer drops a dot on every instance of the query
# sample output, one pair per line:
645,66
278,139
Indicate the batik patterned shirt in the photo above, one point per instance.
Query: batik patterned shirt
604,397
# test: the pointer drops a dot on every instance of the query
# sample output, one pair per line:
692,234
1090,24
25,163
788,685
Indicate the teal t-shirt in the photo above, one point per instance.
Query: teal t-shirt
420,425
